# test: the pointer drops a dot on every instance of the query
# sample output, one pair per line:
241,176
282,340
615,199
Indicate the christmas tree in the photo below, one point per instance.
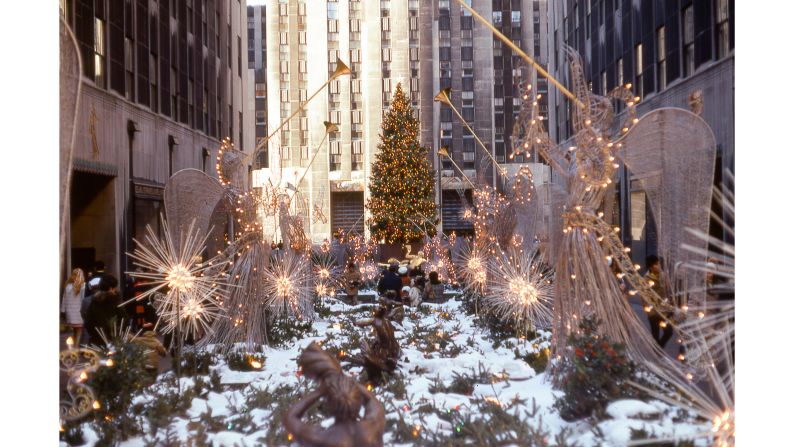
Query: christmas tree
401,185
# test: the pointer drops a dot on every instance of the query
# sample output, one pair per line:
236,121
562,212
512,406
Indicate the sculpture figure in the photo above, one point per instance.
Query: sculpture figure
341,397
380,356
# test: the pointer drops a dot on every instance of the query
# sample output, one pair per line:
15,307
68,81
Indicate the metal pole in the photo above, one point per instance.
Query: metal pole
443,96
523,55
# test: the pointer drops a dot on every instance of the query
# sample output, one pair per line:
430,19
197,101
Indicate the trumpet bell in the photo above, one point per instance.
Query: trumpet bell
443,96
341,69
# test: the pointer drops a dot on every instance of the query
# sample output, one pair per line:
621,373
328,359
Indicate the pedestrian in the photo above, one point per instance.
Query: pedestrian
153,349
104,314
94,277
415,293
352,282
73,294
390,281
403,272
434,291
405,295
655,318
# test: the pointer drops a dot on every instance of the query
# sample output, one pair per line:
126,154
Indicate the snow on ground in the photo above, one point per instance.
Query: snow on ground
439,343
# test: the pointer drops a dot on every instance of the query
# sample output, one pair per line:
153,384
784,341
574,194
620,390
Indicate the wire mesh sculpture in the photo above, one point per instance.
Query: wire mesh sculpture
584,283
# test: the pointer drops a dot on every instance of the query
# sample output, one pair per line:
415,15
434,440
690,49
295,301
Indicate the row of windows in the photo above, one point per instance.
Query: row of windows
181,105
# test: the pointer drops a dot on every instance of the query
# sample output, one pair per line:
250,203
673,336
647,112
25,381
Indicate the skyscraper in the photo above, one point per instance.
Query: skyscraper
163,84
677,53
375,39
488,81
426,46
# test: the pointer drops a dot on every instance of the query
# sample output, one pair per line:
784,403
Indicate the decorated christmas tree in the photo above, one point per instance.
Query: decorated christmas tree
401,185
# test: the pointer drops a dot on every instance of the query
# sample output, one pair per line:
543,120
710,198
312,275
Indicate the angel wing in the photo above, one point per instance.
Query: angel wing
671,152
191,194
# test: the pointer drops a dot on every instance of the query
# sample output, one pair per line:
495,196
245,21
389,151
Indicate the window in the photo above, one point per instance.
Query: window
260,90
191,97
604,83
723,29
661,50
620,71
205,112
515,16
99,52
333,10
174,89
129,72
205,158
689,41
335,155
153,96
638,68
239,57
357,160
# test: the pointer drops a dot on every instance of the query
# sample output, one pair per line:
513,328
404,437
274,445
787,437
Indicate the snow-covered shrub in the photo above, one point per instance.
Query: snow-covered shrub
594,372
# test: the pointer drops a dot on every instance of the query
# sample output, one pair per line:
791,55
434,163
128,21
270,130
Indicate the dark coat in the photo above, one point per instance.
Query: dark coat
390,281
102,313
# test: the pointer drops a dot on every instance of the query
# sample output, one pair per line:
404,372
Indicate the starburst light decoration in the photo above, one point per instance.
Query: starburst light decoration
326,275
520,290
288,287
474,267
185,289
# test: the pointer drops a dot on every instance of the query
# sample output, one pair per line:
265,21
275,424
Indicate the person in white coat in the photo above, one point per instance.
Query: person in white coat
73,295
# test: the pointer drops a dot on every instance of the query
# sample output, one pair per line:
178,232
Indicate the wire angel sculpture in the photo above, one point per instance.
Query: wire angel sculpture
584,283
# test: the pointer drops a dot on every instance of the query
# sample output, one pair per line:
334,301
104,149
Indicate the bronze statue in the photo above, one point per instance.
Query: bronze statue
342,397
380,356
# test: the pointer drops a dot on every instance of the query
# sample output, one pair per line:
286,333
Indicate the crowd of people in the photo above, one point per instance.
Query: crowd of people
91,307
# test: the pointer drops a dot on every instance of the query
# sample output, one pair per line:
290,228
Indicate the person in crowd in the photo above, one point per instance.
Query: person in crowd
103,313
92,286
656,319
73,295
403,272
415,292
404,295
390,281
352,282
434,291
153,349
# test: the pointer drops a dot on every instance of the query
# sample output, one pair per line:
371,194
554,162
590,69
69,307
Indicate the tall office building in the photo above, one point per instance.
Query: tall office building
668,51
257,62
488,81
163,83
426,46
375,38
